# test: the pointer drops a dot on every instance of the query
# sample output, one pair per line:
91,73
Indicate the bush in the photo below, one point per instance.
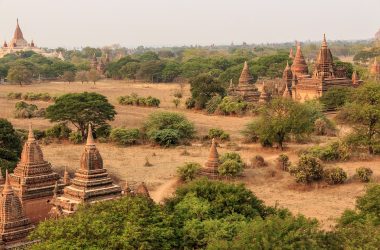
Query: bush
103,131
323,127
168,128
14,96
37,97
258,161
283,162
334,176
364,174
59,131
188,171
76,137
213,104
176,102
231,156
190,103
166,137
334,151
232,106
230,168
25,110
309,169
136,100
218,134
125,136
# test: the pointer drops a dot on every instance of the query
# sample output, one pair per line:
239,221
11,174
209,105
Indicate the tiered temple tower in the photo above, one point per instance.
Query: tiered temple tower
246,89
14,225
33,180
210,169
324,67
90,184
18,40
299,67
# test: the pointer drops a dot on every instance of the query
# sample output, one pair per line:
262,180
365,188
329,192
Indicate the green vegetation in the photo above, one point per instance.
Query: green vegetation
25,110
308,170
125,137
334,175
167,129
364,174
218,133
203,88
335,97
188,171
136,100
10,146
80,109
334,151
362,112
59,131
282,118
231,165
284,162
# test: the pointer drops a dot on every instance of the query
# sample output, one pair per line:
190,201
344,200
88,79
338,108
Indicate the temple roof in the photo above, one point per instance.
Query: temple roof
324,55
31,152
299,66
10,204
245,76
18,33
287,74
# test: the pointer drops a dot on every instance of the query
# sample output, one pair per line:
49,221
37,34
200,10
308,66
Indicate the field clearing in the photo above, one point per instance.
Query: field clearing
320,201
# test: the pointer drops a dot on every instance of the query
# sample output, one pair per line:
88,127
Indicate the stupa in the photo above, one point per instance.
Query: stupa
299,67
246,89
33,180
14,225
90,184
210,169
264,95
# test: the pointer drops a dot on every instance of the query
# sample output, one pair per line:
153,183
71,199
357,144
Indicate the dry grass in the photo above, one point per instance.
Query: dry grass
128,163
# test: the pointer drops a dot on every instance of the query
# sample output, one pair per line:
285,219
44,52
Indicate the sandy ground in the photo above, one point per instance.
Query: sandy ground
270,184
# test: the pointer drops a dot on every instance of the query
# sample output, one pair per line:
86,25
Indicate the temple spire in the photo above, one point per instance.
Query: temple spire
31,134
90,138
245,76
324,42
7,186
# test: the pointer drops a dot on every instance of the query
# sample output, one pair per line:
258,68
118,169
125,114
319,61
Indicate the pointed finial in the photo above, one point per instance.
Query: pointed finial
7,186
30,134
90,138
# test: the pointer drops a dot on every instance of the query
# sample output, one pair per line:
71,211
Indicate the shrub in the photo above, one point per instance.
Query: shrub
176,102
25,110
323,127
230,168
168,128
59,131
334,176
364,174
178,94
123,136
136,100
283,162
213,103
76,137
258,161
219,134
166,137
188,171
14,96
190,103
103,131
334,151
309,169
231,156
232,106
37,97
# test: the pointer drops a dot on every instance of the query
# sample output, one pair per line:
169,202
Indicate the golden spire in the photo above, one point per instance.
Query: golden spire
90,138
324,42
213,151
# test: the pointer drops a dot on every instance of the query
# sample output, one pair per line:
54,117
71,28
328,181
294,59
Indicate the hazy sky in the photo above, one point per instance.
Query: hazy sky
75,23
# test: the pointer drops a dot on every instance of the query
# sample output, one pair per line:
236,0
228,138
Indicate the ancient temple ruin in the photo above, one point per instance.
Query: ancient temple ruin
375,69
33,180
325,75
246,89
90,184
210,168
14,225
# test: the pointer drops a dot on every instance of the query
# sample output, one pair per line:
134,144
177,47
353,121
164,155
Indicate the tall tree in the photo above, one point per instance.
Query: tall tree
68,76
362,111
10,145
20,74
81,109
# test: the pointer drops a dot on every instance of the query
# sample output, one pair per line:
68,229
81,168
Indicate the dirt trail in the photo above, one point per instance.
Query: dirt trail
164,191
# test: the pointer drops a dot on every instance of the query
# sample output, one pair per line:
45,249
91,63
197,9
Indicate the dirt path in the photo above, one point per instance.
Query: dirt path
165,190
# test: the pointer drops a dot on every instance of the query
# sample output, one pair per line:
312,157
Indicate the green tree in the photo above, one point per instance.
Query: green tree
81,109
20,74
68,76
282,118
10,146
130,70
363,113
203,88
81,76
151,71
335,97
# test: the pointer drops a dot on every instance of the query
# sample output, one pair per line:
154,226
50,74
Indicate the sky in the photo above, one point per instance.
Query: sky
79,23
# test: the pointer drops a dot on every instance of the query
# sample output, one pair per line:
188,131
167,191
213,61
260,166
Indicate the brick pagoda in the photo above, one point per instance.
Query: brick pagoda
90,184
246,89
210,169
